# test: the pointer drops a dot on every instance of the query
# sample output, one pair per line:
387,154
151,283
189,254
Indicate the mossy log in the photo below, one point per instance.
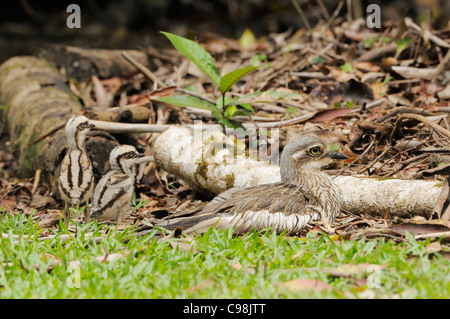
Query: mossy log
36,101
207,161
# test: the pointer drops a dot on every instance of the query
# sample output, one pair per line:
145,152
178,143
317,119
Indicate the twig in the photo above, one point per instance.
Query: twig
422,119
356,159
335,14
152,52
399,153
442,235
375,53
302,15
425,33
37,178
404,164
113,127
312,75
441,65
322,7
387,149
349,11
149,74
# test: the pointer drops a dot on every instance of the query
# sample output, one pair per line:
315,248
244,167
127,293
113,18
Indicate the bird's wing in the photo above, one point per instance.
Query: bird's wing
222,197
274,198
112,193
280,206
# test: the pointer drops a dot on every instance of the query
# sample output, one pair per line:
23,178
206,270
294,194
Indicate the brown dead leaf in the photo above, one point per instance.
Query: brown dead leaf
419,229
40,201
303,284
367,66
347,270
339,75
184,246
433,247
379,90
202,285
329,115
49,221
236,266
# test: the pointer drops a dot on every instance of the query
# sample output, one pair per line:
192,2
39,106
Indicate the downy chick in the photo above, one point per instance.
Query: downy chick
75,183
113,193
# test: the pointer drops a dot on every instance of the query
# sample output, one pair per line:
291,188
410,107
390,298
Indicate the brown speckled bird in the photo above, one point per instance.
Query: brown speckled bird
305,194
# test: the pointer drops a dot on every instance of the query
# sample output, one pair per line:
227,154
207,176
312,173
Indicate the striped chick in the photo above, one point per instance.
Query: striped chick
75,183
113,193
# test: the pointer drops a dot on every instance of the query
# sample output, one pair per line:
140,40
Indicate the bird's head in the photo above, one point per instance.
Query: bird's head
76,128
124,158
306,154
78,125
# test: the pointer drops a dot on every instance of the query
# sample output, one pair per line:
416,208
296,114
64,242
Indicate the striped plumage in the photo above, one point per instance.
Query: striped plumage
75,183
304,194
113,193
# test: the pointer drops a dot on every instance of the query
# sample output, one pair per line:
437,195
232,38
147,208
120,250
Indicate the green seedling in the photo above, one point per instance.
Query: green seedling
222,112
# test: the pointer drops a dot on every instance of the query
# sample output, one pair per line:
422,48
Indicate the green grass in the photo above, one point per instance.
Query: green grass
218,266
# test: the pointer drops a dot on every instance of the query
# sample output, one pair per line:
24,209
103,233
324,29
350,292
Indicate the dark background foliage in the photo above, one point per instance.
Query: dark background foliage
28,25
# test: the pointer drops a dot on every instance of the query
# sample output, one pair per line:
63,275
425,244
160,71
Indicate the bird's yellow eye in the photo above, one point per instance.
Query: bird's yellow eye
314,151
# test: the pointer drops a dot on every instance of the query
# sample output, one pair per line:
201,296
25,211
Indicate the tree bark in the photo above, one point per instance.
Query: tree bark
204,164
37,101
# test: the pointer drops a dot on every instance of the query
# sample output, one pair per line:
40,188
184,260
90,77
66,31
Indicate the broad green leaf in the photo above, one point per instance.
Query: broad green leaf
242,113
197,54
228,80
248,107
230,110
186,101
232,124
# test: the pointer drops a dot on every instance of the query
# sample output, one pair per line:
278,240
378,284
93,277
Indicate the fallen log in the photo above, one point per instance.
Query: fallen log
82,63
209,161
37,103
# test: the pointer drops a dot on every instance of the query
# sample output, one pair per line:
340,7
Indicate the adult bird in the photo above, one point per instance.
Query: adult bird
305,194
113,193
75,182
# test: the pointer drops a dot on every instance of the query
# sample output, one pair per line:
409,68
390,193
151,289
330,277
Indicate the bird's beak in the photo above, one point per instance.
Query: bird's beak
143,159
336,155
91,126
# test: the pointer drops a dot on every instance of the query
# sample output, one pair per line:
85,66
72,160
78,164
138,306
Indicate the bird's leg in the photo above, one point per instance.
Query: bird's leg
323,218
66,213
87,212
